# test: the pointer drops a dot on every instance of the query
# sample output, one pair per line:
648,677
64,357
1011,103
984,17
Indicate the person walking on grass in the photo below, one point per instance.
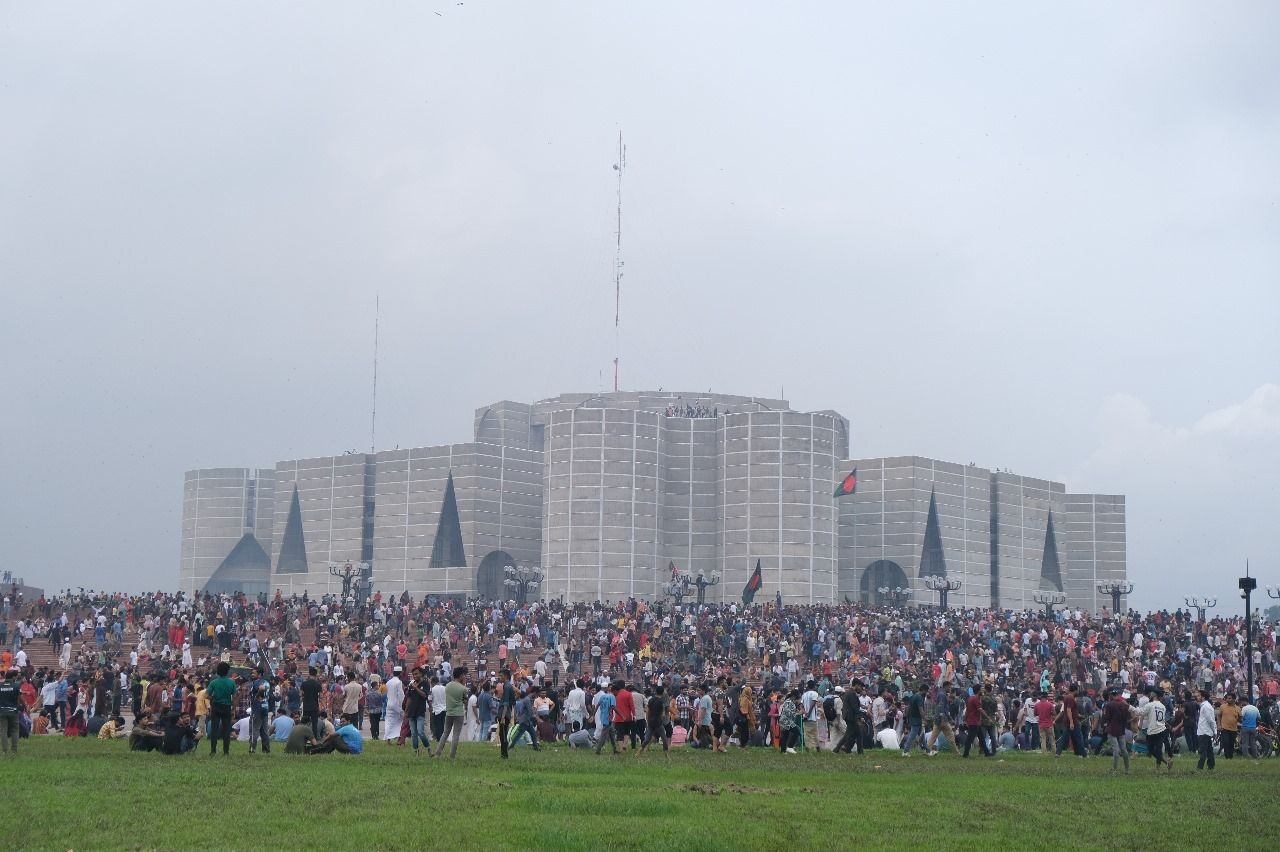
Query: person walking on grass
506,707
1153,722
606,706
455,697
1206,728
973,716
851,712
943,714
656,725
1115,721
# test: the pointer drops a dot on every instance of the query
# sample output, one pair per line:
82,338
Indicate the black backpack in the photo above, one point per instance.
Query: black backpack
829,708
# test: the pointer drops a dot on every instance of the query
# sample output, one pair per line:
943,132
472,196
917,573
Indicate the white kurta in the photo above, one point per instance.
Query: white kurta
394,717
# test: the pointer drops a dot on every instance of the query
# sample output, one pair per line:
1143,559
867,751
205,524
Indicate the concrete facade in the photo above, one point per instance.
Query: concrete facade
1095,547
605,491
882,528
219,507
1004,536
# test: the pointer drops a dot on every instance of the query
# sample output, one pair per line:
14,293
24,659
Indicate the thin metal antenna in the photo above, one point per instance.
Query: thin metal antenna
373,417
620,166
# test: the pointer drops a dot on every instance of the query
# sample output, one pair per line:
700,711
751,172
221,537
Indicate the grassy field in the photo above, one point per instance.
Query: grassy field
83,794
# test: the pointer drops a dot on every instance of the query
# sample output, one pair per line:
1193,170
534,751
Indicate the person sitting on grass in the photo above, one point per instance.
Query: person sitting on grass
112,729
145,736
345,740
180,736
300,736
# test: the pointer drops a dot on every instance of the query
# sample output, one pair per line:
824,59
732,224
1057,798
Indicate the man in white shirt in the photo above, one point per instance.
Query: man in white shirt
811,704
438,702
1152,715
394,717
1206,728
575,706
888,738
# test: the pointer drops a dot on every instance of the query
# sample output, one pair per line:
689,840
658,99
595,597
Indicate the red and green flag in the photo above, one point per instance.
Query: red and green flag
848,485
753,585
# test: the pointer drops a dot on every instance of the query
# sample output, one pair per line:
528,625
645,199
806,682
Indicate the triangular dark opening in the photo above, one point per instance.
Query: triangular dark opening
293,550
447,550
1050,572
247,568
932,560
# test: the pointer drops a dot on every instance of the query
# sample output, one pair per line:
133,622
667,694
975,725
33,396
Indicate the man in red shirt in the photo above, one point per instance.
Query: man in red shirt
626,714
973,723
1071,723
1044,718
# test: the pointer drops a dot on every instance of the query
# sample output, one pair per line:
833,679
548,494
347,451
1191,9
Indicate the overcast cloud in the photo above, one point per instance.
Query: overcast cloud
1029,236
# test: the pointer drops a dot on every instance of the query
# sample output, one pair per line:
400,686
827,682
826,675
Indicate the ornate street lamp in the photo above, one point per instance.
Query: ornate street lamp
702,583
942,586
521,579
896,595
1049,599
1247,585
1116,590
1200,604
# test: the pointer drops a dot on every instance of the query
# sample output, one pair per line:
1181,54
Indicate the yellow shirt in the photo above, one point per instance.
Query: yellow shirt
202,703
1229,717
109,730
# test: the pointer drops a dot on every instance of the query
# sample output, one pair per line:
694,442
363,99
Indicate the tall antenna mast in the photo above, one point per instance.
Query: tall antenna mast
373,417
620,166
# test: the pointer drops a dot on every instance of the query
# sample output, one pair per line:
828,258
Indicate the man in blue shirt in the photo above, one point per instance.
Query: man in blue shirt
1249,730
605,709
525,723
345,740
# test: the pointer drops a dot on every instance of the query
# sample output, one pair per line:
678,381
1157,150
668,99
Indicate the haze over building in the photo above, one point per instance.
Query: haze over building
607,492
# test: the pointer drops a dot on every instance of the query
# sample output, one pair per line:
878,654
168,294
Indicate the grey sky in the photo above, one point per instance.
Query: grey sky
1039,238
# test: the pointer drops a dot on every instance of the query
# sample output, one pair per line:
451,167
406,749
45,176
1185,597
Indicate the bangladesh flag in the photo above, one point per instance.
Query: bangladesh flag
753,585
848,485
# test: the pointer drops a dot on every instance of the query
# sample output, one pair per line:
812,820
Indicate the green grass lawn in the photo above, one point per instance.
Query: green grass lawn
83,794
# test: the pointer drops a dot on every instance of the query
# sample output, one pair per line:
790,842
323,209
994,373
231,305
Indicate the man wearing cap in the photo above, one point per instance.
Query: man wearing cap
1115,721
394,712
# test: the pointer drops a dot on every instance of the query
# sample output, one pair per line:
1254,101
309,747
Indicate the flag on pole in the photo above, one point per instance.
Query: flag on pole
753,585
848,485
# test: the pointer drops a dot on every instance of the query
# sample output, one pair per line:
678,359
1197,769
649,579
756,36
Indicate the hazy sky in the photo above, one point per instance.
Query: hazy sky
1030,236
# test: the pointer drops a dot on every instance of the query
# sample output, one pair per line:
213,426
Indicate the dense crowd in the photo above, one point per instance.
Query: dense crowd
843,678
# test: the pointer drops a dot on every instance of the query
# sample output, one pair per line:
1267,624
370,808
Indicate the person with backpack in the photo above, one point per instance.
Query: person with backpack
827,720
913,718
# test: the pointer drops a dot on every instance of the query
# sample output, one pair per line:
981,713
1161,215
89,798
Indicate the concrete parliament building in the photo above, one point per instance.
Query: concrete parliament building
606,491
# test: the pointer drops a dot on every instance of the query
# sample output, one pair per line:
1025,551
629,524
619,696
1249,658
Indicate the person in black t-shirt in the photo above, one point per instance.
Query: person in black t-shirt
311,702
655,717
180,735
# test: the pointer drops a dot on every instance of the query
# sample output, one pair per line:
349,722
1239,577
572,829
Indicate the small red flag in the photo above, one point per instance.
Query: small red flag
848,485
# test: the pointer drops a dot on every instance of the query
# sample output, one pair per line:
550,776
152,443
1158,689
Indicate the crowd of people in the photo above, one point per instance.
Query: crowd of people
192,671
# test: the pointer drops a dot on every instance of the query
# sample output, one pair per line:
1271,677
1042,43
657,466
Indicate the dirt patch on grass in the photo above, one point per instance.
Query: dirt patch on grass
717,789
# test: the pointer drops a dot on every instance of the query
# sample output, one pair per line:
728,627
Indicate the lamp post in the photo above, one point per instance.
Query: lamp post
702,583
897,594
1050,600
942,586
1200,604
521,579
1116,590
1247,585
